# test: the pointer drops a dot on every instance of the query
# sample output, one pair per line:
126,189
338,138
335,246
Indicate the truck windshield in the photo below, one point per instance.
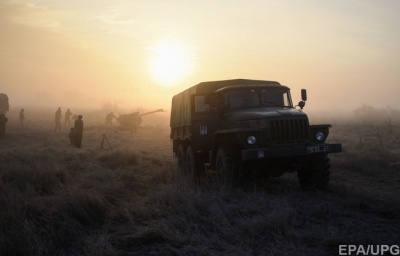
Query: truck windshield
251,98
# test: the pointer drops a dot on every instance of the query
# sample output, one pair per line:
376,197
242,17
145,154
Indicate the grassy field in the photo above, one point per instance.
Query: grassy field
59,200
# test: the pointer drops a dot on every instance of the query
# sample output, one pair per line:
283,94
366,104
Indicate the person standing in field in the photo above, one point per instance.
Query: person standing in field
58,120
109,118
78,127
67,120
21,117
71,136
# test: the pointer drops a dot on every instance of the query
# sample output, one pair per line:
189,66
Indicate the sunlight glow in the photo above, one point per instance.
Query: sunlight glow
170,62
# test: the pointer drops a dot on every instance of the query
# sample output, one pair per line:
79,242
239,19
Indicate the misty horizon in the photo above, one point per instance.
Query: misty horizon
345,53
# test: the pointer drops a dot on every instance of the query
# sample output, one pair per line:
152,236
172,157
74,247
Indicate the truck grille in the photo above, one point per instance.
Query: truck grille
289,130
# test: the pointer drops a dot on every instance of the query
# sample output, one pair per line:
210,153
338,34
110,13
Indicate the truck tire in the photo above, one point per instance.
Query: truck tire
193,166
316,174
226,166
181,159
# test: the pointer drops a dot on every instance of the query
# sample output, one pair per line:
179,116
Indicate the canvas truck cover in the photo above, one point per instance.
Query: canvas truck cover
3,103
180,109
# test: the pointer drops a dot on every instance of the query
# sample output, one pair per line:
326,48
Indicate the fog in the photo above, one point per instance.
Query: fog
81,56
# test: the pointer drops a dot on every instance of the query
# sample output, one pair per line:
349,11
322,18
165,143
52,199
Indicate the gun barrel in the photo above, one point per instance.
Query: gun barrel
151,112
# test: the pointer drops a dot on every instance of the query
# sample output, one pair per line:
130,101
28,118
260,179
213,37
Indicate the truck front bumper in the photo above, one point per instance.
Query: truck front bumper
293,151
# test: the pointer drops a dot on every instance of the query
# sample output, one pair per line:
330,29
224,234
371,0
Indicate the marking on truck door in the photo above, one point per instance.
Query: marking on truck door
203,129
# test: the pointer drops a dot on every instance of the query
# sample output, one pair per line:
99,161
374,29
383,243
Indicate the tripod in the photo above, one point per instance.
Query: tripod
102,143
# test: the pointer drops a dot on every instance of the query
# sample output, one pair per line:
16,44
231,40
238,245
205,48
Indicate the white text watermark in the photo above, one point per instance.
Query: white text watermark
351,249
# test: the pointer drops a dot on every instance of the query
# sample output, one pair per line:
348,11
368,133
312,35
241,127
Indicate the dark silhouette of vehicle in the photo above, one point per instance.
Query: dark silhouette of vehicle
133,120
241,129
4,106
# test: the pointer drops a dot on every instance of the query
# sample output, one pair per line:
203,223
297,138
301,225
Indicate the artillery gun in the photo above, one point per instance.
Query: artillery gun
133,120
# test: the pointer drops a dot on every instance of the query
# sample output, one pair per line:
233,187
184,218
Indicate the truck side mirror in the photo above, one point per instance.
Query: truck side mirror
303,94
302,104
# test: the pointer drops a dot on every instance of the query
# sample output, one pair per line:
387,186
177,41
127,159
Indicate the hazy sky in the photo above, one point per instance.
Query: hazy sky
140,53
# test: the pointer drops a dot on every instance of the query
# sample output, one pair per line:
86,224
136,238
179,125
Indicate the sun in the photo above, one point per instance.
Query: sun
170,61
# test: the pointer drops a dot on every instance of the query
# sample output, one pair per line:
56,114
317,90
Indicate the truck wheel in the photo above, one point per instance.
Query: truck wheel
226,166
193,167
181,159
316,174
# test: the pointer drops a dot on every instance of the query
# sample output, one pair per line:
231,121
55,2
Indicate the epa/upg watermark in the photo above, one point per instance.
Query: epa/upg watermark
351,249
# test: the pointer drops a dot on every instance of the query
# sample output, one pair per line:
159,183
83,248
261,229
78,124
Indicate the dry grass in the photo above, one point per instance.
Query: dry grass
59,200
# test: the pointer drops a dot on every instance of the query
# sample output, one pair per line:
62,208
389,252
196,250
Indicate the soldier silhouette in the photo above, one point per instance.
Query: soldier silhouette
78,127
71,136
58,120
109,118
67,120
21,117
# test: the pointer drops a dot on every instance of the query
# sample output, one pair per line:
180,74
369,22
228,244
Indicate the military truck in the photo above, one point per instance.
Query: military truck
244,128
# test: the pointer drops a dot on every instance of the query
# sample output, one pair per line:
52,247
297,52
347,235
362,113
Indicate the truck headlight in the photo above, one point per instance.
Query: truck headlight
251,140
319,136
